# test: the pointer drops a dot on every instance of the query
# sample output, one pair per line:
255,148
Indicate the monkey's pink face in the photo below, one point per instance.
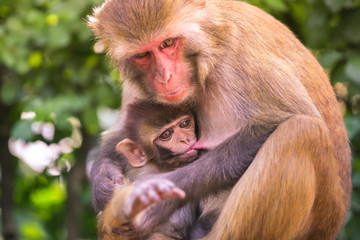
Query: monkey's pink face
162,62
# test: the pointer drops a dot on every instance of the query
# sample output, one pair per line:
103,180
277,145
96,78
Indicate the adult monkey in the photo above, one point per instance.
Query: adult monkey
246,74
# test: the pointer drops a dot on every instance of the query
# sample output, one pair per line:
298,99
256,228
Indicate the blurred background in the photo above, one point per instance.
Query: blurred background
57,95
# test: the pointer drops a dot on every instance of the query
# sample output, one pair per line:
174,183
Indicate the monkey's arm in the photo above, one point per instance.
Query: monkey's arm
217,170
301,154
107,170
105,175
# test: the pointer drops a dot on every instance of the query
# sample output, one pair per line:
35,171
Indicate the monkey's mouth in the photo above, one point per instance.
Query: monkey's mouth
189,153
188,156
176,95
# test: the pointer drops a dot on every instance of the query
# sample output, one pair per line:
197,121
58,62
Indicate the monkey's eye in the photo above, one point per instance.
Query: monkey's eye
168,42
166,135
142,55
185,123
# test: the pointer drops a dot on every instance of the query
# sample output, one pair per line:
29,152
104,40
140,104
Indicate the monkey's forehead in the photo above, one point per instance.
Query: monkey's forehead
135,23
148,133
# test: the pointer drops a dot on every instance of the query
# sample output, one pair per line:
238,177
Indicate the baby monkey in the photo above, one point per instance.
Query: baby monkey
156,139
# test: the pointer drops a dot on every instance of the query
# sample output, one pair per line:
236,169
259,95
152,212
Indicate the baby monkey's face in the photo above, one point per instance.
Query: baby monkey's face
178,137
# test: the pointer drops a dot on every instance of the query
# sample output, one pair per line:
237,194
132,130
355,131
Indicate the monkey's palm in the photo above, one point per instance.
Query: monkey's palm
150,219
150,192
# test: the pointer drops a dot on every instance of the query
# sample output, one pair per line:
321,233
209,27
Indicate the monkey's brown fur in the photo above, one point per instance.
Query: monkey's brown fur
248,75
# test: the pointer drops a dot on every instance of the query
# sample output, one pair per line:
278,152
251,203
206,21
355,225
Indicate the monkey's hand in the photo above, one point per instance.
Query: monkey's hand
148,192
141,196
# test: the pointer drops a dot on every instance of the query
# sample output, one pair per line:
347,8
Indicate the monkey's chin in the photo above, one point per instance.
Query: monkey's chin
189,155
177,96
174,97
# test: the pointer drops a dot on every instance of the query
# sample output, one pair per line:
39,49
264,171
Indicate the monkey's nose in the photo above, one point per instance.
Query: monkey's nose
185,140
164,77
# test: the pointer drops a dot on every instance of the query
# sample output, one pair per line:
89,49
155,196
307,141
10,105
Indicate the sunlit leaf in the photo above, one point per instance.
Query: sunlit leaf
92,61
31,230
35,59
52,20
48,197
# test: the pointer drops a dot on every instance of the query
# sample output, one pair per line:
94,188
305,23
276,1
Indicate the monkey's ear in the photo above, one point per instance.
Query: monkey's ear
133,152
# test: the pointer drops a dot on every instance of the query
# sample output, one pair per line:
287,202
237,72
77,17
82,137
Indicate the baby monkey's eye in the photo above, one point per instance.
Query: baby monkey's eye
166,135
185,123
168,42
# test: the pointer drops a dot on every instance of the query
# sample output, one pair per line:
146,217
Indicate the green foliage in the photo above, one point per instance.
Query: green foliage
48,67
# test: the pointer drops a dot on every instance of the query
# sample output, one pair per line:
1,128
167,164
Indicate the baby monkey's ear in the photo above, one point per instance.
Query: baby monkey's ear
133,152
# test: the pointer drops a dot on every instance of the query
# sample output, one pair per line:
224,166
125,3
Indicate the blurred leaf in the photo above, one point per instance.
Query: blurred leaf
277,5
4,10
35,18
356,179
90,120
352,125
22,129
349,25
355,201
352,68
351,230
328,59
315,32
356,167
337,5
9,91
14,24
299,12
57,38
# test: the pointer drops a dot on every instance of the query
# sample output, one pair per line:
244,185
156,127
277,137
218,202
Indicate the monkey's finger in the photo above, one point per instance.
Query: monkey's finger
179,193
174,193
169,190
150,197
